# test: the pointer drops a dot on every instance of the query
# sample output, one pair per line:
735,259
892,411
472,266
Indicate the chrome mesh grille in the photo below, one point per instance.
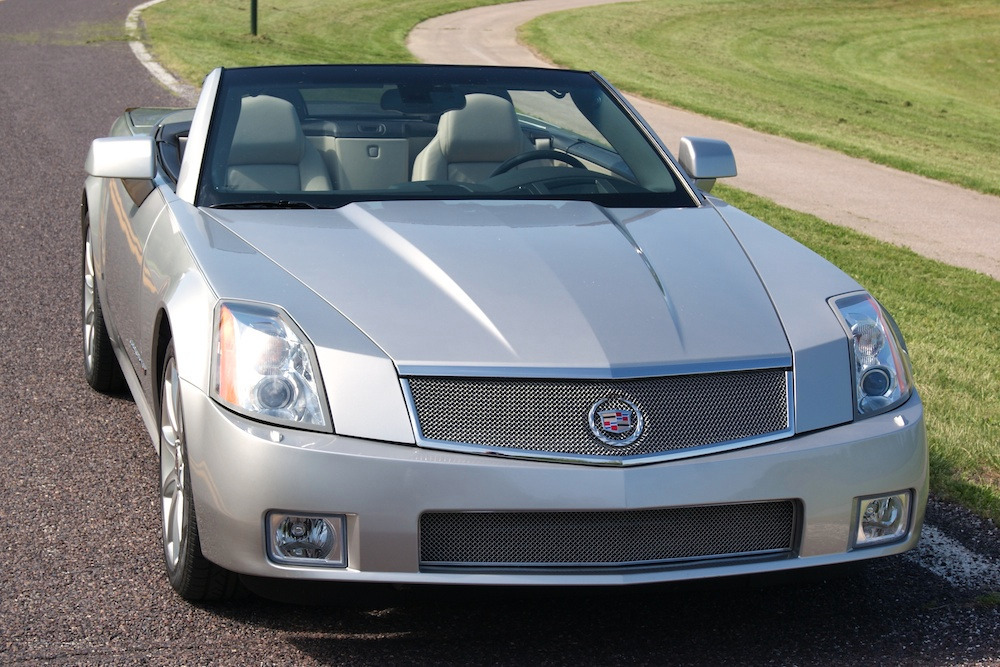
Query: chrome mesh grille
679,412
606,538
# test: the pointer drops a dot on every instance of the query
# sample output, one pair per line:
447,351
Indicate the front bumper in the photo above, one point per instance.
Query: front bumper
241,470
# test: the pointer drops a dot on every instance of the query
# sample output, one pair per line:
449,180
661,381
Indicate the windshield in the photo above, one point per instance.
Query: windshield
325,136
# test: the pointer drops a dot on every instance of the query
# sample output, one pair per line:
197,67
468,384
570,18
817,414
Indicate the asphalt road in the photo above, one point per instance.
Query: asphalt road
80,563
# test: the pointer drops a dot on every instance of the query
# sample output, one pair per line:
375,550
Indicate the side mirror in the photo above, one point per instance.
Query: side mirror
121,157
705,160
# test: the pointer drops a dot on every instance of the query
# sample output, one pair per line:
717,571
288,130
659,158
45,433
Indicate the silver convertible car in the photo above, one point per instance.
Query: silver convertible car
465,325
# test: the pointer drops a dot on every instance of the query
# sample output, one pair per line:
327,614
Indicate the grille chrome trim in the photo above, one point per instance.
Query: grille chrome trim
659,537
594,452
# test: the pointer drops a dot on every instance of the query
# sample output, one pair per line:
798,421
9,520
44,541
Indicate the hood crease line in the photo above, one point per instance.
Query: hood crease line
674,317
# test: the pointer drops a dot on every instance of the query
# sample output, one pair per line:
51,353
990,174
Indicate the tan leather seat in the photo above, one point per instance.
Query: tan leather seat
270,151
471,142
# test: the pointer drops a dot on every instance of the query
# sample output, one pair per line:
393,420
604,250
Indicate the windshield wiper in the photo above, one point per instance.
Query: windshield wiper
279,203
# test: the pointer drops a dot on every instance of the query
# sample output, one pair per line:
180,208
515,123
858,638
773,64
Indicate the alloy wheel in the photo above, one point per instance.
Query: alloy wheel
172,475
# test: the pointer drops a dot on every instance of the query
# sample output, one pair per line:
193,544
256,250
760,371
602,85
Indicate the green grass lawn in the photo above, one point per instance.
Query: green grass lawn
913,84
877,76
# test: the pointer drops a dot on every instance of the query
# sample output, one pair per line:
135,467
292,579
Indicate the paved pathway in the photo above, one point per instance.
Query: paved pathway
935,219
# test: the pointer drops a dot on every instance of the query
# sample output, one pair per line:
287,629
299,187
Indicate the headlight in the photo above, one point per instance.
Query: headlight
882,375
265,368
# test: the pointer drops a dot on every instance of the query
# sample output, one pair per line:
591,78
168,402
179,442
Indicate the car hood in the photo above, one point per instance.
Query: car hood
530,288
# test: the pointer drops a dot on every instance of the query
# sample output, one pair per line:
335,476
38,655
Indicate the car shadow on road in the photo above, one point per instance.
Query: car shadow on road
884,612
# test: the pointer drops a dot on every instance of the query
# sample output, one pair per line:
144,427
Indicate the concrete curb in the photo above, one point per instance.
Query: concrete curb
168,80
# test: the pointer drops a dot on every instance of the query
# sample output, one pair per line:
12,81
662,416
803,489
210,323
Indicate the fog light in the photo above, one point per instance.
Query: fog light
882,519
307,539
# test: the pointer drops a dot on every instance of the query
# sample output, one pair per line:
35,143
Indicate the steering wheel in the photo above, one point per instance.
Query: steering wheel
530,156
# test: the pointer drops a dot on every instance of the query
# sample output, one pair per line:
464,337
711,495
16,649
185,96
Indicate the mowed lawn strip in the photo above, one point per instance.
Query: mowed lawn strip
950,316
912,84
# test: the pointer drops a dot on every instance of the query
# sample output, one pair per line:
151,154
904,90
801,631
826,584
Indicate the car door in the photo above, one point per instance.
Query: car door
131,212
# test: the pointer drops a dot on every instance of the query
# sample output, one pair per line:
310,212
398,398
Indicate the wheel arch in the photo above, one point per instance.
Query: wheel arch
90,200
84,213
162,334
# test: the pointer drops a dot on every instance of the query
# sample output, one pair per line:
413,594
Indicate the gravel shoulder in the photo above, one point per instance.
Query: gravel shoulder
938,220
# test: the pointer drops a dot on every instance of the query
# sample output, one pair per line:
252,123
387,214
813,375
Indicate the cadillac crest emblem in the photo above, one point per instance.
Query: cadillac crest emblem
615,422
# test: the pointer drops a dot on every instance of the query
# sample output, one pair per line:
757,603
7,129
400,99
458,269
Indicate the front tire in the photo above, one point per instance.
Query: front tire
100,366
193,576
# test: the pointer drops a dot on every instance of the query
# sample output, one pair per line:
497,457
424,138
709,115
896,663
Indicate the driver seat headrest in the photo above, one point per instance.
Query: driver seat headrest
472,141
